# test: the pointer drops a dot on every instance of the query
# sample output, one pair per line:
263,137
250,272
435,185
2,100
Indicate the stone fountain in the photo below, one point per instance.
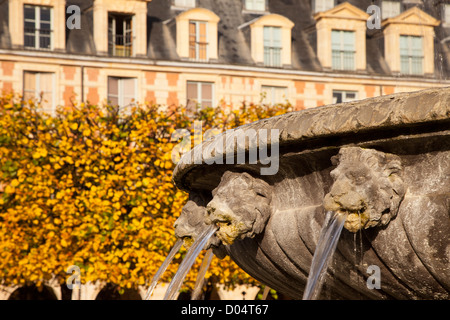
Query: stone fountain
384,162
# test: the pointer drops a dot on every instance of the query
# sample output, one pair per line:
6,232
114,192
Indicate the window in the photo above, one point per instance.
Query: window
274,95
411,55
390,9
121,91
343,49
198,40
38,86
184,3
344,96
120,35
37,27
272,46
322,5
446,14
200,93
255,5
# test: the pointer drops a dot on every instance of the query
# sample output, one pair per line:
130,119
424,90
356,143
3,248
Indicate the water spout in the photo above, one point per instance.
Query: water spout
163,268
188,261
328,239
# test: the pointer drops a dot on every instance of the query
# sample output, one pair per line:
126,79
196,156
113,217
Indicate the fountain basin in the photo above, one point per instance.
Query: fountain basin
384,161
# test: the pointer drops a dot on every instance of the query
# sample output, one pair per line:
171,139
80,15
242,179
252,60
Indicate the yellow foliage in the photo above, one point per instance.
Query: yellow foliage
93,188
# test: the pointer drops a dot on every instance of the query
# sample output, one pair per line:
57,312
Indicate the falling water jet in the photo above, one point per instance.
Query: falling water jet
328,239
188,261
201,275
163,268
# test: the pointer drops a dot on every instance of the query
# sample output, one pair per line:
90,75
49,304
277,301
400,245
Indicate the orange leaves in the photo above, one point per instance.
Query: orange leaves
92,189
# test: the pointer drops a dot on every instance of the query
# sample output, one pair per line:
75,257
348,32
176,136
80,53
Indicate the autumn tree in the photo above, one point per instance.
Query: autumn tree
92,187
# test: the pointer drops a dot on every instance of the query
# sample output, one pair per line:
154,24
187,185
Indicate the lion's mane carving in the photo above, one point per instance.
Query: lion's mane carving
367,186
240,206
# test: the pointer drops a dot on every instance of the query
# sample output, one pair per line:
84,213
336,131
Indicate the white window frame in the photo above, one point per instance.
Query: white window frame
411,56
322,5
200,100
120,93
342,50
37,91
272,97
445,15
197,40
255,5
114,33
388,10
273,50
184,3
344,94
37,25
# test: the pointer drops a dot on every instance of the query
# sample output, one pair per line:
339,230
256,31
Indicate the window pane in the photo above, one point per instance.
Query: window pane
279,95
267,36
349,40
416,46
129,90
45,14
44,83
256,5
192,40
29,85
390,9
29,12
350,96
113,90
404,47
184,3
337,97
335,39
274,95
322,5
447,13
44,41
206,91
192,91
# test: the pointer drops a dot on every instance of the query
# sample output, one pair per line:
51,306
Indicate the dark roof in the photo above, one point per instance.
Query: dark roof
234,42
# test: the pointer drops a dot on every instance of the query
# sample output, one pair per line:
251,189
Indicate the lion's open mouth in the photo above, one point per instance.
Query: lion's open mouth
356,219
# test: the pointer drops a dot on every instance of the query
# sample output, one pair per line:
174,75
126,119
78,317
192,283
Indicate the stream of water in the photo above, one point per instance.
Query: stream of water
328,239
188,261
201,275
163,268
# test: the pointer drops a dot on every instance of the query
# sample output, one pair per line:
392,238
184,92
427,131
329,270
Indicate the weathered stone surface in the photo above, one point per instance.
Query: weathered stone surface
405,183
367,187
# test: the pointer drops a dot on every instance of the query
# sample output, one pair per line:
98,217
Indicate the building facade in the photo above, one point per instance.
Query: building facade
206,53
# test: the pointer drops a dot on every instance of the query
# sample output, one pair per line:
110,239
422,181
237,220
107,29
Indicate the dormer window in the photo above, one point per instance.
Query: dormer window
184,3
322,5
120,35
37,27
390,9
409,42
120,27
341,37
271,40
255,5
197,35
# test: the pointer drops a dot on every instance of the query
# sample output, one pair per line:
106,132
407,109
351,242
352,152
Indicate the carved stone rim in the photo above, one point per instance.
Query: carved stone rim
399,110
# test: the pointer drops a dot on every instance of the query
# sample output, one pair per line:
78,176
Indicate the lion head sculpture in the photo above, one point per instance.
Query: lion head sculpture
191,223
367,187
240,206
